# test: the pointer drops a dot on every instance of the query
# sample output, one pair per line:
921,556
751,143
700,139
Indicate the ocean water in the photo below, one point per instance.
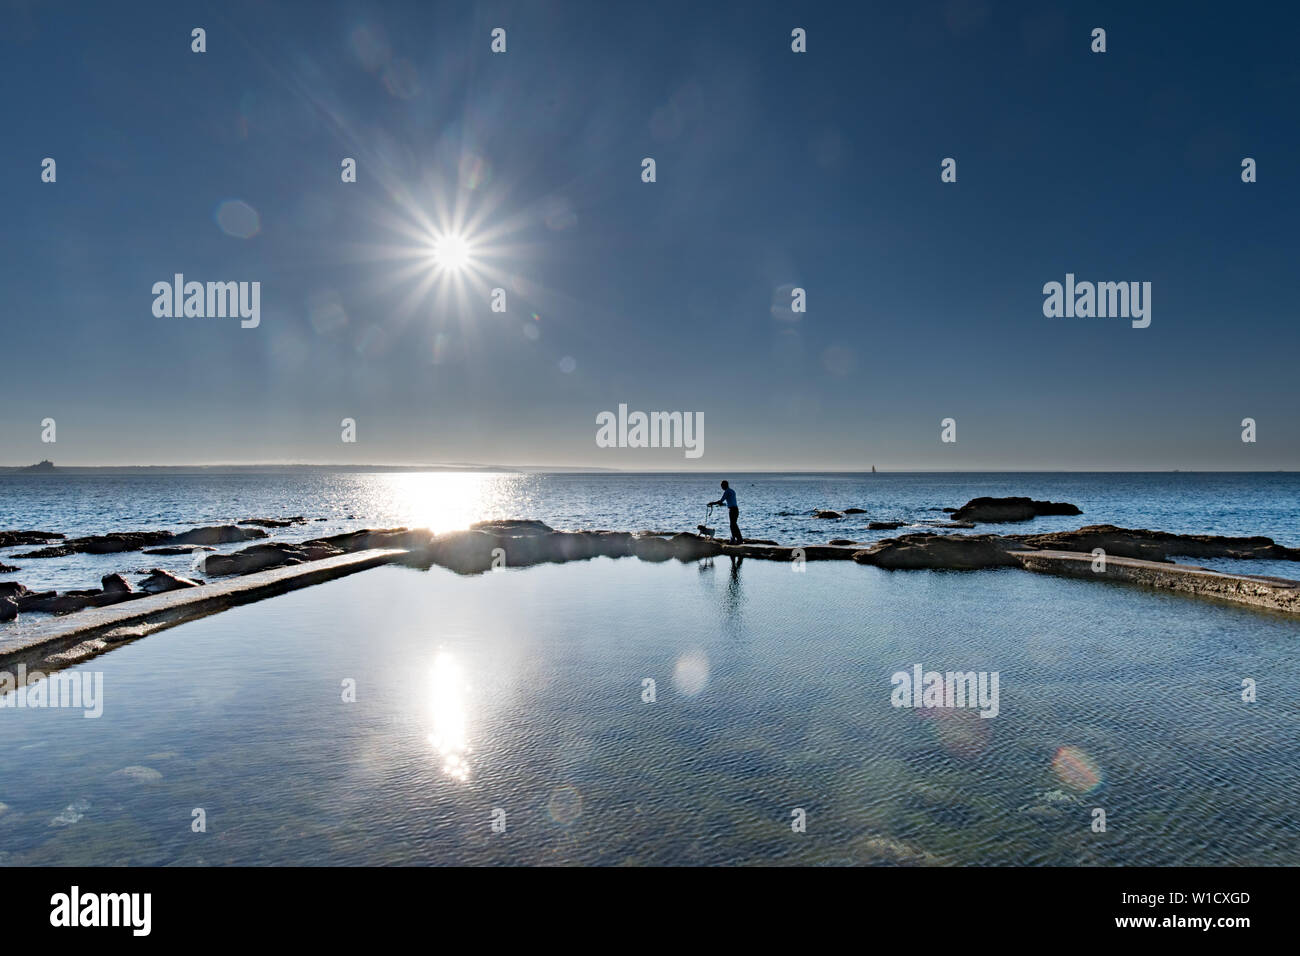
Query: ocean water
520,698
772,506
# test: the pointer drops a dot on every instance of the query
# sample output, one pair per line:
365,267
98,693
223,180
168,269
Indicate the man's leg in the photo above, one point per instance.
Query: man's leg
736,537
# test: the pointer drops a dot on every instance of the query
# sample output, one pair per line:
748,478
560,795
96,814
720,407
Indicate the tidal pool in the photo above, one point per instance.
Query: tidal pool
507,719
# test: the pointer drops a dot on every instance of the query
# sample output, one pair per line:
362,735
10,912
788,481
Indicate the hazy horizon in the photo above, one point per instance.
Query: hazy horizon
506,467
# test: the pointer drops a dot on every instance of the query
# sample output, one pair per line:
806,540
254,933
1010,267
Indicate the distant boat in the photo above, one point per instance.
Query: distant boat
46,465
873,469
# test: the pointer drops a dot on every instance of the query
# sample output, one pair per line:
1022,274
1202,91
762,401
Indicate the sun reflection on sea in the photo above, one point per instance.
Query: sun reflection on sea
449,501
449,710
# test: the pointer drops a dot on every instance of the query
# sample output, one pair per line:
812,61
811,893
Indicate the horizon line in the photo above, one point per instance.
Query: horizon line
470,468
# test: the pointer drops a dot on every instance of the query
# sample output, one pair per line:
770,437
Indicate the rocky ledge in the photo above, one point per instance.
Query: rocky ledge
134,540
492,545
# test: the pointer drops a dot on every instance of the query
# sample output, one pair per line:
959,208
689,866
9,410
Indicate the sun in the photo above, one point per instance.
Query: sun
451,252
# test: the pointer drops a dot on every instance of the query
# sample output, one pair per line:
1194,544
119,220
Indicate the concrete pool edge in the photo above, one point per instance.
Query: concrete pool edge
1274,594
63,641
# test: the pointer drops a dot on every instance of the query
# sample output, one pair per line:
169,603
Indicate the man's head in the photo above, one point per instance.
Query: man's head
725,485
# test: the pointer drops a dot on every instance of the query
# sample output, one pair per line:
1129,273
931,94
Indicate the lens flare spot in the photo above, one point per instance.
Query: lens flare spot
1076,769
565,805
237,218
691,672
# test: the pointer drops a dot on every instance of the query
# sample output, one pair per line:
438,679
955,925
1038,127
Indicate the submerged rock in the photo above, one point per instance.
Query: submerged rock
827,514
885,525
855,511
991,510
136,774
840,542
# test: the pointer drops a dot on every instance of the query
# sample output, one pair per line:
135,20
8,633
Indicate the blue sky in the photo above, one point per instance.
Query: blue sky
774,169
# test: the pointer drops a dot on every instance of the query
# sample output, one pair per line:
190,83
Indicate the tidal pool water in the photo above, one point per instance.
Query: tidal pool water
518,699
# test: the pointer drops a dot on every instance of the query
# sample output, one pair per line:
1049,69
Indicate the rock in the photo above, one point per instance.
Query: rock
947,510
990,510
179,549
12,589
261,557
683,547
115,583
8,609
480,549
513,526
101,544
220,534
885,525
1160,545
8,568
368,538
950,524
159,581
855,511
841,542
965,552
827,514
65,603
274,522
10,539
28,600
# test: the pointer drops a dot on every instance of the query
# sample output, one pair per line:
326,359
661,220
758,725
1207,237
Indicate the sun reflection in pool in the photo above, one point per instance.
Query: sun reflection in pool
449,709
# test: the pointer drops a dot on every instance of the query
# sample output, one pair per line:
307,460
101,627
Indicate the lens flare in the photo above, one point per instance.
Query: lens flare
1076,769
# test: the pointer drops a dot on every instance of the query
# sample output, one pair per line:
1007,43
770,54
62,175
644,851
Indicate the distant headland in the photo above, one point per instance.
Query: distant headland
48,468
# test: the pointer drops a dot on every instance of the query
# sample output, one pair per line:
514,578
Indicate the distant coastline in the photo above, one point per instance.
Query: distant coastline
49,468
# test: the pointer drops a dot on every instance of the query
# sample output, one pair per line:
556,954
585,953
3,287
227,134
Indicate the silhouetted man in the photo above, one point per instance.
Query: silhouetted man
729,499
